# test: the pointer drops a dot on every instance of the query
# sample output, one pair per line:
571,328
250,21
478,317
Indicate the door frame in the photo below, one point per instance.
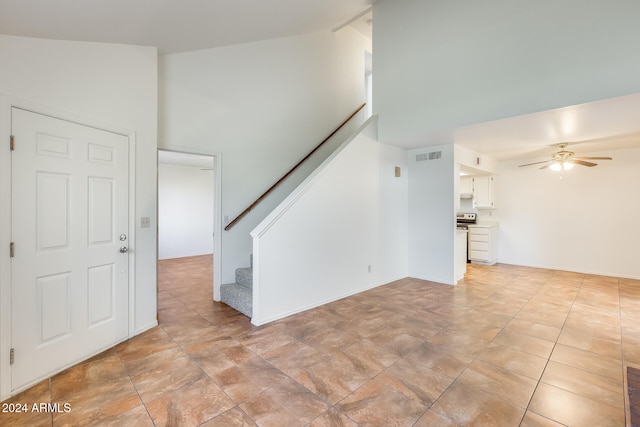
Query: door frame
6,104
217,210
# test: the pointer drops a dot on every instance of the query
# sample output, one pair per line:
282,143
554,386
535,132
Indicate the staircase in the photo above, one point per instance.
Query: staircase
239,295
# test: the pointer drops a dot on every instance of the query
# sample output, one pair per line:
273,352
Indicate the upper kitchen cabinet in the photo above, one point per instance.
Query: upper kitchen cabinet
480,171
483,194
466,188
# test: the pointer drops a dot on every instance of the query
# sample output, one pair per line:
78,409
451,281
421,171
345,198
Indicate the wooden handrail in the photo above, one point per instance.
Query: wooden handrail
255,202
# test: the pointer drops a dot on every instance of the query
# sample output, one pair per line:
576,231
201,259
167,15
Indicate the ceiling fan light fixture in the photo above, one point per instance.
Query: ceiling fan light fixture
565,160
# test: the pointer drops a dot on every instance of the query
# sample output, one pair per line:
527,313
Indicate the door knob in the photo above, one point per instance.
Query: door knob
124,249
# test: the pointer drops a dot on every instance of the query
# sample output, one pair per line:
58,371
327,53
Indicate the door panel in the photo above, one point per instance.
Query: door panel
53,300
101,288
69,206
52,211
100,211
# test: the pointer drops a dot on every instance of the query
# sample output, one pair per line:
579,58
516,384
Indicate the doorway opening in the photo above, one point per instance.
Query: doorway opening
188,214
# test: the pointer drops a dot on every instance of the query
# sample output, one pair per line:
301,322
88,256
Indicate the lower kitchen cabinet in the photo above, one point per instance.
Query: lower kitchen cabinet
483,243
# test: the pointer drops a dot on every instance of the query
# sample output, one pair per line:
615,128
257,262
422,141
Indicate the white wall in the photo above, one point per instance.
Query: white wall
185,211
105,83
581,222
474,162
443,64
432,215
263,106
318,245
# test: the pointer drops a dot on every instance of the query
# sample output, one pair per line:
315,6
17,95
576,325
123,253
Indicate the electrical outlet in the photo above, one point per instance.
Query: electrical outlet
369,268
145,222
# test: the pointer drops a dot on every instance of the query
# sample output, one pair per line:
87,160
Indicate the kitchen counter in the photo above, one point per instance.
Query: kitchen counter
485,224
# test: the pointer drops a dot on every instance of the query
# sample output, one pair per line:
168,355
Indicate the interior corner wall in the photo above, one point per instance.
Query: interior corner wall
440,64
108,83
579,220
263,106
432,215
185,211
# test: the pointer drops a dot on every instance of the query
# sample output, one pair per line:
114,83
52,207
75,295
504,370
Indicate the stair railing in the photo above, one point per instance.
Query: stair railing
273,187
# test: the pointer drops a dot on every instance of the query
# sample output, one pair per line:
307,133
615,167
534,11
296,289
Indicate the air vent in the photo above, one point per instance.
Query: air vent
434,155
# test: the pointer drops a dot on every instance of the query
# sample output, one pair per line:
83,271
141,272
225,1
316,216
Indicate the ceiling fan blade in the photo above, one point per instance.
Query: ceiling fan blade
583,163
547,165
536,163
592,158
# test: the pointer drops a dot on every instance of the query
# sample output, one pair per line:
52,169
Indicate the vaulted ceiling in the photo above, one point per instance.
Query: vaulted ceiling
174,26
177,26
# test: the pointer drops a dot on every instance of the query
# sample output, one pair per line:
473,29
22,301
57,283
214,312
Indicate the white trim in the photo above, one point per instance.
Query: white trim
255,291
5,239
6,104
217,226
217,209
132,234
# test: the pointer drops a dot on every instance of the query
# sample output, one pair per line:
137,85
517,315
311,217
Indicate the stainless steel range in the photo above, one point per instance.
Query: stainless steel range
464,219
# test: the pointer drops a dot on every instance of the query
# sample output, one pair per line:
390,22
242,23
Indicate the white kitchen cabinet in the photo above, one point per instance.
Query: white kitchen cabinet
483,194
483,243
466,187
465,190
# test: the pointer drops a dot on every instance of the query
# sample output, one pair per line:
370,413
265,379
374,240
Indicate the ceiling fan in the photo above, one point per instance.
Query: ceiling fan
565,159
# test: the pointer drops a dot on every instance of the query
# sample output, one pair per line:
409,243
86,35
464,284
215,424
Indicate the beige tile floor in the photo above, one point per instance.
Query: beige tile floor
508,346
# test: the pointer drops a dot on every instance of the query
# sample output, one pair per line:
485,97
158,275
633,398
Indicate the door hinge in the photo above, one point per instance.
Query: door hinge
12,249
12,356
12,142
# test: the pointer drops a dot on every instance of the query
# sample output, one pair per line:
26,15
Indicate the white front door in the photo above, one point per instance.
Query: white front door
69,283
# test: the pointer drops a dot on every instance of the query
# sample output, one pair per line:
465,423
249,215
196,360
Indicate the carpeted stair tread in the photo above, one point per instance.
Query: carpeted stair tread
238,296
244,276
